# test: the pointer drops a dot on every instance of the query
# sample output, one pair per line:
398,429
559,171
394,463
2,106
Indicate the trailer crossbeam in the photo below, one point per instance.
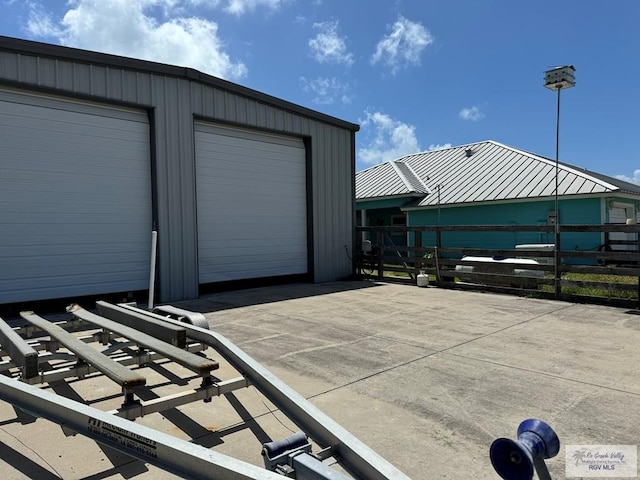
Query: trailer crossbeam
147,407
19,350
112,369
356,457
115,428
82,370
195,363
173,334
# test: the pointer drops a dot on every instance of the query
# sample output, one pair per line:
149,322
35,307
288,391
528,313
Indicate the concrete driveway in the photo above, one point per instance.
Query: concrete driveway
427,377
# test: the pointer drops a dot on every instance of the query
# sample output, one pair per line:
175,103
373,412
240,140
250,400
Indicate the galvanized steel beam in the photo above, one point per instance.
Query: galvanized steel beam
118,373
81,370
182,458
189,360
172,334
355,456
21,353
147,407
182,315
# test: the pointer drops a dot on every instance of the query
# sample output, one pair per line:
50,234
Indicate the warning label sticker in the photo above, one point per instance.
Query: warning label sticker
120,436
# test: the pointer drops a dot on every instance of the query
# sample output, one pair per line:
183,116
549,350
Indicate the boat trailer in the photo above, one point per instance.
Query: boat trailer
120,336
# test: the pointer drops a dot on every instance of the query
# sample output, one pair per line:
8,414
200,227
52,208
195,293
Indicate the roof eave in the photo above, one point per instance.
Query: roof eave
410,195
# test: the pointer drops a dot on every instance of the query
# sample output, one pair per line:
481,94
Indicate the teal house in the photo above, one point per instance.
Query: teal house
488,183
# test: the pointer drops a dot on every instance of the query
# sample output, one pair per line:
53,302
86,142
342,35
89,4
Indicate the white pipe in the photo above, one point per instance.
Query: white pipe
152,273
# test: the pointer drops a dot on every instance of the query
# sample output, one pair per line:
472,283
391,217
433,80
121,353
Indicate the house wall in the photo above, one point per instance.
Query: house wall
583,211
382,216
174,97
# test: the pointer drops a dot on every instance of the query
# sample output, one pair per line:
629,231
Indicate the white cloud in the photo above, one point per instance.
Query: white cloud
239,7
234,7
391,139
126,27
328,46
634,179
327,90
403,46
41,23
471,113
438,146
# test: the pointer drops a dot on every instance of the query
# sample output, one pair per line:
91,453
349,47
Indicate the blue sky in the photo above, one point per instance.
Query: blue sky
416,75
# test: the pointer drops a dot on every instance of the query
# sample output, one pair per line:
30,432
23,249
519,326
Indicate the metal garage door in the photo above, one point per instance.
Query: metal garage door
252,210
619,214
75,196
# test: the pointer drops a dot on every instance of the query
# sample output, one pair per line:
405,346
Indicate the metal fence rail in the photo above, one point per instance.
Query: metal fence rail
609,264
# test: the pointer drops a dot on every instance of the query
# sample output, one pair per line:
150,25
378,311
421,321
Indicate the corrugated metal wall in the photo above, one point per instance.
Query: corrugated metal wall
174,96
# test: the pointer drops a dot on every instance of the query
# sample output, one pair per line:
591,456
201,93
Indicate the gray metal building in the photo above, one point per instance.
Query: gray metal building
97,150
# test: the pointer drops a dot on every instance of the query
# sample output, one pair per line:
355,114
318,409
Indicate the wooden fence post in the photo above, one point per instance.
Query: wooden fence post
417,252
638,265
437,252
556,261
379,260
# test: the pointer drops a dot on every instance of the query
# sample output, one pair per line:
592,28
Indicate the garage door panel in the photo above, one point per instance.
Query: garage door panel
240,269
271,255
252,193
33,234
229,140
39,255
86,218
263,218
30,160
50,216
51,145
239,169
59,286
65,189
67,265
242,247
254,157
76,133
252,218
76,196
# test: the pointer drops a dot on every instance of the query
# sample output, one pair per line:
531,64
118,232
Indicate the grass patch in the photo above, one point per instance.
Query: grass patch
586,284
386,274
604,286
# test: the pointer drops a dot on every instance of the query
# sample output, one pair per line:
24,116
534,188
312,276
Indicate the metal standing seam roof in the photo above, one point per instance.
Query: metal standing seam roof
389,179
480,172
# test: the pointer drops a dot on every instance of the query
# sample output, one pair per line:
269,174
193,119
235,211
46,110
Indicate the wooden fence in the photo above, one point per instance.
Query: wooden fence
605,273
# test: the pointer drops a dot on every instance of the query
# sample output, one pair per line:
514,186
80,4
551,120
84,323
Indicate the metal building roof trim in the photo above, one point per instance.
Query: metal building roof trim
413,183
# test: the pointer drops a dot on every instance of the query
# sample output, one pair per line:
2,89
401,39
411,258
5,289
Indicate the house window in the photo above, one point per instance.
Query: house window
398,220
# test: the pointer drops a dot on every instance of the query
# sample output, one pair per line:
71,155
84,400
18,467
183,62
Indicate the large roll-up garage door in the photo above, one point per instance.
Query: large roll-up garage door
75,197
620,214
252,208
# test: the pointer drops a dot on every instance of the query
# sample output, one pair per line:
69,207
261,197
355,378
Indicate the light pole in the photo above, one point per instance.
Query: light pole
556,79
